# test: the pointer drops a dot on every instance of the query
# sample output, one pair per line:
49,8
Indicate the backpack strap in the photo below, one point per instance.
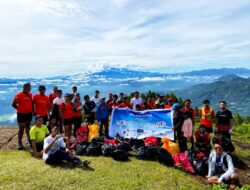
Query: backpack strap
225,161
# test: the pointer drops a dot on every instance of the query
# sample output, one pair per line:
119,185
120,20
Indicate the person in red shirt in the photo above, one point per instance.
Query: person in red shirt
77,120
41,104
67,114
203,140
170,103
113,104
110,99
206,115
125,103
23,104
52,96
150,103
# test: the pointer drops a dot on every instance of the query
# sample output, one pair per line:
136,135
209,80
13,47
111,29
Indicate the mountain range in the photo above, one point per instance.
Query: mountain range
230,84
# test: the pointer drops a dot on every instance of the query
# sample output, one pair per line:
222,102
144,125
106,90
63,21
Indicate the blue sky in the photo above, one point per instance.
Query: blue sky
52,37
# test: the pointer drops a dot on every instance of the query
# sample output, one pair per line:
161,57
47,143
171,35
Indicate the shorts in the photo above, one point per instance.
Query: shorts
68,121
209,129
24,117
39,146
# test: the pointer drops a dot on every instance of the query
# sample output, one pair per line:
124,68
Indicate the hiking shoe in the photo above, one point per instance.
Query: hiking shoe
20,147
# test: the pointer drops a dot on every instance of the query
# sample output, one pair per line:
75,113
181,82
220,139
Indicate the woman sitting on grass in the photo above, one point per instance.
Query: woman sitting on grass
55,150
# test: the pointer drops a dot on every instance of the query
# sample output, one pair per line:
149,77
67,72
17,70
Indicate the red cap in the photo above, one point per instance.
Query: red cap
170,99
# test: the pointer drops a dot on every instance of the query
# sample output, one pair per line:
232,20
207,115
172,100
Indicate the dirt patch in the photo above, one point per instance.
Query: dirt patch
8,138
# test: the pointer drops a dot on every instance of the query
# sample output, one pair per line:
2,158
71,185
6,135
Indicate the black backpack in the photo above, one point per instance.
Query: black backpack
200,164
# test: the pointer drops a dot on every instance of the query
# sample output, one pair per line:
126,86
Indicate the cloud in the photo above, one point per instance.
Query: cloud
51,37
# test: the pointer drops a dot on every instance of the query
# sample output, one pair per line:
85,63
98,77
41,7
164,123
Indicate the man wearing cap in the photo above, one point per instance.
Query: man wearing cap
110,99
23,104
41,104
170,103
206,114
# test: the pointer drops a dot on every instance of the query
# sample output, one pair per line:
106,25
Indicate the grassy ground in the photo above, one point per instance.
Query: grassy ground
18,170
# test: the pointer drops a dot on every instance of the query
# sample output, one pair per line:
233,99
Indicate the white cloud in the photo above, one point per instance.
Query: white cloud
50,37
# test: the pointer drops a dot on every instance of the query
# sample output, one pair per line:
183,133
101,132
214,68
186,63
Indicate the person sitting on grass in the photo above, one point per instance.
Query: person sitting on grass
55,150
221,168
203,140
37,134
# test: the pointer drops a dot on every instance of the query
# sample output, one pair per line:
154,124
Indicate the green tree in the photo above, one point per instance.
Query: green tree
238,119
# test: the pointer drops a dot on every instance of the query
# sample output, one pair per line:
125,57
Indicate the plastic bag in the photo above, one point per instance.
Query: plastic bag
165,158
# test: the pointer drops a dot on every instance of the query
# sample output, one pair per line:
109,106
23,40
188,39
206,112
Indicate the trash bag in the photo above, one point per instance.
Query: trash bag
107,149
98,139
120,155
136,143
181,161
200,164
81,148
94,149
151,141
165,158
147,153
124,146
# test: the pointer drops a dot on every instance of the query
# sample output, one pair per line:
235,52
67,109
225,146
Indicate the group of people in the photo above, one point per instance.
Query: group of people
64,117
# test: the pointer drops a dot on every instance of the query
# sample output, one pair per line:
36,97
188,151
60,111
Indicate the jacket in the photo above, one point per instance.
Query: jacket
229,169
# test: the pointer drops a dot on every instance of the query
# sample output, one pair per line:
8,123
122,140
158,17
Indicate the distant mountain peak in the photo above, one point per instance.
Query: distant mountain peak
228,77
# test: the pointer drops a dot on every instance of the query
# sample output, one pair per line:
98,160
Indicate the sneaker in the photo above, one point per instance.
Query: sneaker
20,147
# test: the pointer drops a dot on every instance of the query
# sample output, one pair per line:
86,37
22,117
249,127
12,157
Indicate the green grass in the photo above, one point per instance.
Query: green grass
18,170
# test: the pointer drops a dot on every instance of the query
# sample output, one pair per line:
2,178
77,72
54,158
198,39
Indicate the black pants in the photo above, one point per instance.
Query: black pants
225,134
182,141
105,123
77,121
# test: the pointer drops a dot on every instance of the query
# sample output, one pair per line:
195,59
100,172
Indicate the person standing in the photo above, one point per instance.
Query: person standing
52,96
113,104
102,113
89,109
224,120
77,119
206,114
23,104
169,103
66,113
189,112
55,109
96,98
74,92
41,104
137,100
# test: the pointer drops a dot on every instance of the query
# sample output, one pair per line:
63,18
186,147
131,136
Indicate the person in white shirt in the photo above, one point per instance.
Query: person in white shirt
137,100
221,168
96,98
55,113
55,151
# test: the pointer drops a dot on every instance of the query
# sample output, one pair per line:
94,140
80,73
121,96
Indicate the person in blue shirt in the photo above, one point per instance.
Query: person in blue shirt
102,113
